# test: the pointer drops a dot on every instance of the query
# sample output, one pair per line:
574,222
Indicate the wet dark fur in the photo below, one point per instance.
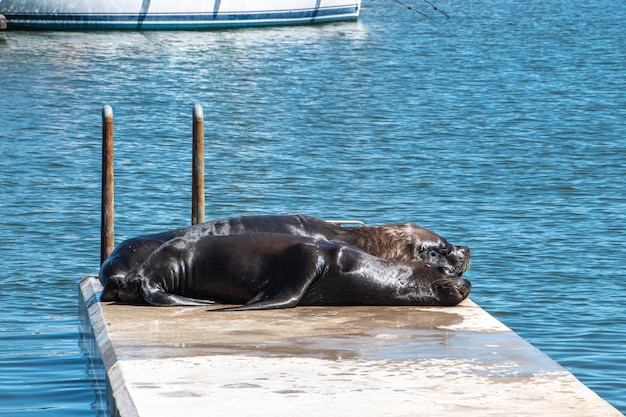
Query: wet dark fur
268,270
405,242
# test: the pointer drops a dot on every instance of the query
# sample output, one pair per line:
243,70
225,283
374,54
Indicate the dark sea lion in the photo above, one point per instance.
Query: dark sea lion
406,242
269,270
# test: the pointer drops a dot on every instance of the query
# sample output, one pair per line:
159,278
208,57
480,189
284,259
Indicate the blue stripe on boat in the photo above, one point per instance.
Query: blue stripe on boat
176,21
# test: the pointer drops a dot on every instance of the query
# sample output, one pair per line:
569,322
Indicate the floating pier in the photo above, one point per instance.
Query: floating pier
324,361
312,361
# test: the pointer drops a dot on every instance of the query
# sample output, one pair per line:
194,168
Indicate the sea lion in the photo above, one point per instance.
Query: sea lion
270,270
406,242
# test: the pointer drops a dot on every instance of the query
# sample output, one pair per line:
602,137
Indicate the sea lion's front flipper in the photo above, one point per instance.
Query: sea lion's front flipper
302,265
157,297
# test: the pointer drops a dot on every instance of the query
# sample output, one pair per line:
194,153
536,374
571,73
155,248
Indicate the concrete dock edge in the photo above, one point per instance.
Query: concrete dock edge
118,398
335,361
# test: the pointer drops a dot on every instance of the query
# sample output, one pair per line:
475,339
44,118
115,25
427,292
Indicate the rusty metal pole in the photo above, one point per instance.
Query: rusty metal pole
197,181
107,240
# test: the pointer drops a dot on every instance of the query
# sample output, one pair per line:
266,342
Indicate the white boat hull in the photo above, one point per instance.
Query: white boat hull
171,14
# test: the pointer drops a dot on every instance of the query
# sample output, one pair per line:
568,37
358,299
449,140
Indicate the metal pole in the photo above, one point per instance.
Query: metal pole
197,181
107,240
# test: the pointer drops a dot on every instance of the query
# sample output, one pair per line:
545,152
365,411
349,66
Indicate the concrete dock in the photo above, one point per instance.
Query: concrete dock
330,361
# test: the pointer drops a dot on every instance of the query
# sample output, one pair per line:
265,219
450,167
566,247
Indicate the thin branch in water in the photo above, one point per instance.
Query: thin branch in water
437,8
411,8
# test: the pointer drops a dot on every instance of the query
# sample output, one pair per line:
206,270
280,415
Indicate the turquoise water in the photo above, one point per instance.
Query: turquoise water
502,128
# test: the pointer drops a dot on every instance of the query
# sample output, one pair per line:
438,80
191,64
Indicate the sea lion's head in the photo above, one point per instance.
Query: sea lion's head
409,242
125,289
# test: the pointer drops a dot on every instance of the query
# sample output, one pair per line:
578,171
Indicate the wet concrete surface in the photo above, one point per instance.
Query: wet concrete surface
339,361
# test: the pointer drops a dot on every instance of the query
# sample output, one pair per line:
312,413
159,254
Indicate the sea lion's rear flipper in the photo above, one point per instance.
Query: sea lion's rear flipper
301,266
